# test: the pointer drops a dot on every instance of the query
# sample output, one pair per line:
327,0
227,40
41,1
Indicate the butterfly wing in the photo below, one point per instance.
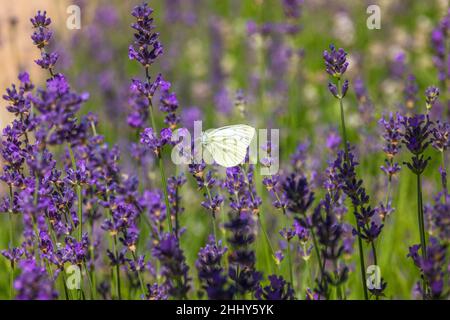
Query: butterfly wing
228,145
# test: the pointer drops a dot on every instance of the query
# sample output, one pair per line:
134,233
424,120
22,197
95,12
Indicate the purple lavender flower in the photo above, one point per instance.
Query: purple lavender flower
34,283
189,115
416,139
431,95
330,236
223,101
210,271
431,267
397,67
156,292
58,106
365,105
13,255
440,216
392,135
274,187
384,210
174,185
336,64
146,47
173,265
333,140
40,20
278,289
292,8
152,204
169,105
41,38
299,197
367,228
244,206
440,136
440,140
438,42
410,92
48,60
241,237
288,234
206,182
279,256
335,61
241,181
333,89
153,142
311,295
209,259
298,158
139,114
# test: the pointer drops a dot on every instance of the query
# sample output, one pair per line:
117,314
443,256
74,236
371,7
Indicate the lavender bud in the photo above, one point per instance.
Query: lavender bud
333,89
344,88
431,95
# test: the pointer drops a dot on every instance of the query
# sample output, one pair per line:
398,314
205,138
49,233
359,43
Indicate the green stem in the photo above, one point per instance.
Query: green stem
66,292
291,273
344,136
214,228
309,276
423,241
11,222
82,295
11,282
92,269
166,195
271,252
375,259
35,202
336,275
269,244
163,181
361,262
139,275
118,291
160,160
212,213
79,196
11,240
444,179
277,197
344,131
388,193
319,259
420,217
91,286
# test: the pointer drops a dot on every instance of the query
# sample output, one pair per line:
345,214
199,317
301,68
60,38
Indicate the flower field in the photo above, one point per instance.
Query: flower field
323,175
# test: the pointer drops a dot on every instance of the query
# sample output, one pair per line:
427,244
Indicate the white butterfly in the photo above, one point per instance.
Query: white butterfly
228,145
